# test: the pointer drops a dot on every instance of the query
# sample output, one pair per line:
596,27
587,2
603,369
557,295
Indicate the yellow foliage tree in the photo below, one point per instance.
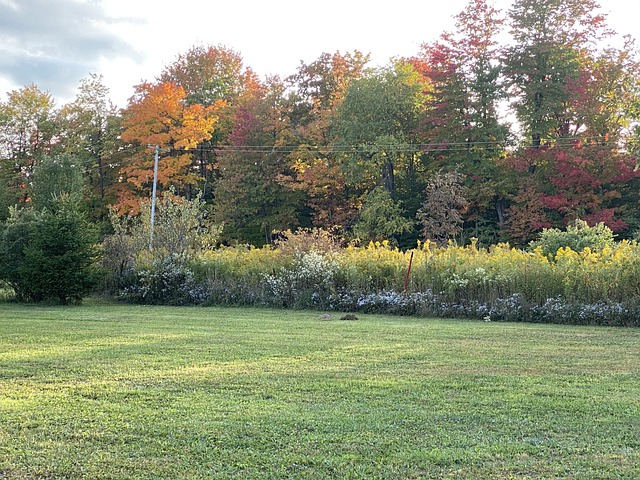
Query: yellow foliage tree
159,115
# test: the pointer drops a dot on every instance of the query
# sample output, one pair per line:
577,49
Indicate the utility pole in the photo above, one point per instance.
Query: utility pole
153,195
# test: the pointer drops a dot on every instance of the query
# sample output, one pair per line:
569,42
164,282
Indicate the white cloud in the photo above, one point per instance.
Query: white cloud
54,43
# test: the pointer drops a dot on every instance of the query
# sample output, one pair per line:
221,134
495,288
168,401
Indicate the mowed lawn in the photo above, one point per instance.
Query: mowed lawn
129,392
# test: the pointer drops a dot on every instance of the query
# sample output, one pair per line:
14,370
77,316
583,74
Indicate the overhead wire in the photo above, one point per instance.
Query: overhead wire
427,148
438,147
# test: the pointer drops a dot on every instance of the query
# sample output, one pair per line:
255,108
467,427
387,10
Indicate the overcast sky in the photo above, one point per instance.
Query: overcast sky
56,43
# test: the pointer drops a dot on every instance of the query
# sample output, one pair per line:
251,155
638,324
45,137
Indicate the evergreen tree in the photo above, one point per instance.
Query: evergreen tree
49,254
48,249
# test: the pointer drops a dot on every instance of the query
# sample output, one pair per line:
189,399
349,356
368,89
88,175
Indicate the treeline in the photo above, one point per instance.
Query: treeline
469,138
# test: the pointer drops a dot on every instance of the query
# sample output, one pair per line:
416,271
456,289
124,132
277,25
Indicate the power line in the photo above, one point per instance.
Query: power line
437,147
427,148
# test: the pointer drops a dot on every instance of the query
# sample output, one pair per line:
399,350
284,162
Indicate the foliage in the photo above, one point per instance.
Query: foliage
504,283
377,121
181,228
462,66
165,280
380,217
5,201
54,177
463,125
308,282
324,183
27,132
550,38
576,237
444,204
212,76
159,115
49,254
306,150
253,196
90,132
527,214
316,91
321,85
303,240
209,74
589,184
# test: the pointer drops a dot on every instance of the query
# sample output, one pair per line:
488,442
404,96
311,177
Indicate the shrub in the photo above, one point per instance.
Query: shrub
498,284
441,213
180,228
308,282
236,275
307,239
165,281
577,237
374,268
49,254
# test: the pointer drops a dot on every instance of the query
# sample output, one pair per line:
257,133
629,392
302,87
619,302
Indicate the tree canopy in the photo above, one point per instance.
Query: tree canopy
512,122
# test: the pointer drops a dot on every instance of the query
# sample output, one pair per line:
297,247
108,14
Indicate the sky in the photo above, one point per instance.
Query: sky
56,43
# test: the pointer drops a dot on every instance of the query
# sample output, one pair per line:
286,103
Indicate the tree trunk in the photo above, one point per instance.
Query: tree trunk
500,210
388,180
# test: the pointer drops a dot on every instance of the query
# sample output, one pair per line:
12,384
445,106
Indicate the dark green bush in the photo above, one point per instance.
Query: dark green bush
49,254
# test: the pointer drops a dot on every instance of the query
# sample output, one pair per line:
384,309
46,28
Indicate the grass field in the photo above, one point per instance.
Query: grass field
129,392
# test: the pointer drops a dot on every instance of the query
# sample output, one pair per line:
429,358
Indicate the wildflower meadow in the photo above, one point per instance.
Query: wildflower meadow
501,283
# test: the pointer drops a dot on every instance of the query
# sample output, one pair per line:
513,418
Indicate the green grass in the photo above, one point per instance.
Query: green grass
126,392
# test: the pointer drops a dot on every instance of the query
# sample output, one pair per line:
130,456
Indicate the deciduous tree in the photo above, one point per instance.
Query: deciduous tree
28,130
252,196
158,114
377,123
462,127
550,37
90,130
209,76
381,218
441,213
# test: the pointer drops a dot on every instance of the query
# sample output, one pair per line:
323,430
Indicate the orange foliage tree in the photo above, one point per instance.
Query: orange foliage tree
158,114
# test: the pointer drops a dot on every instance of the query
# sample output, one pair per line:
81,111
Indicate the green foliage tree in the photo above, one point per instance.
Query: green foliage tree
50,253
5,201
316,91
28,130
48,250
53,177
550,37
377,122
380,218
90,130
